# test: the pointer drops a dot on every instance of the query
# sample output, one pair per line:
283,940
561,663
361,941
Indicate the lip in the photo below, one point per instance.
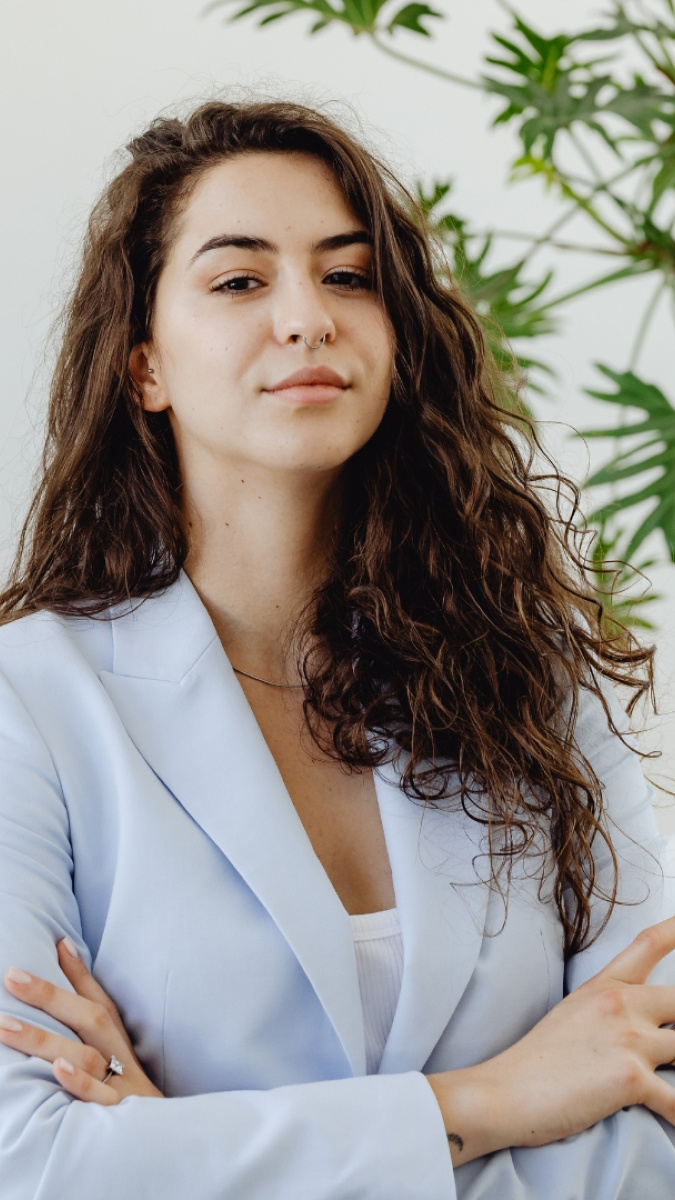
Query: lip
309,377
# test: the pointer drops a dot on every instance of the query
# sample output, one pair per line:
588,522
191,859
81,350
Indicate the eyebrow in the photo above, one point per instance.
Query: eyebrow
337,241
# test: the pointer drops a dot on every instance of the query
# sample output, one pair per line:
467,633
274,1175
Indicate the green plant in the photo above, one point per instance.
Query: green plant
507,303
615,583
593,113
652,449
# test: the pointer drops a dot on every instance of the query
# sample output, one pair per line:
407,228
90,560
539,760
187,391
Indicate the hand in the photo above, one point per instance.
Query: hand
594,1053
92,1015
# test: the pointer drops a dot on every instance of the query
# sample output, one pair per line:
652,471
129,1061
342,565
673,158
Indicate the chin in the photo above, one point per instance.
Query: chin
324,456
308,465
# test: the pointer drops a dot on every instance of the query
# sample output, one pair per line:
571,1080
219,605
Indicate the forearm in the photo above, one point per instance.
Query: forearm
372,1136
470,1112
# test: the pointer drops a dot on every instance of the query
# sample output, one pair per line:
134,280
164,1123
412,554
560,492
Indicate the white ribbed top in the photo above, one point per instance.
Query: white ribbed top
379,960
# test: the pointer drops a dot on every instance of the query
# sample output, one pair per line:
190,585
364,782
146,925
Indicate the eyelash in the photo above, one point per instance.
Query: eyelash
363,282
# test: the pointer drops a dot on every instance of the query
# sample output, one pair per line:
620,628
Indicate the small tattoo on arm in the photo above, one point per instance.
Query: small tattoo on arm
455,1140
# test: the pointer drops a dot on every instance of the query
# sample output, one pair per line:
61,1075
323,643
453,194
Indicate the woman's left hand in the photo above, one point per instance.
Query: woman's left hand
91,1014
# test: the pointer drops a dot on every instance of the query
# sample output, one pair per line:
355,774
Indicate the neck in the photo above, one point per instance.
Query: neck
258,547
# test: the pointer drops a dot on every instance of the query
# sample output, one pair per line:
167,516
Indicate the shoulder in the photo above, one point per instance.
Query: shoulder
44,640
157,636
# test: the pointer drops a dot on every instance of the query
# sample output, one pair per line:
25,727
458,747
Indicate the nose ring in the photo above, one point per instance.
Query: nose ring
318,344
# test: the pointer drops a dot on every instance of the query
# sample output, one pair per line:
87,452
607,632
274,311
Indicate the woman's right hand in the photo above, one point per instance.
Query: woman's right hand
592,1054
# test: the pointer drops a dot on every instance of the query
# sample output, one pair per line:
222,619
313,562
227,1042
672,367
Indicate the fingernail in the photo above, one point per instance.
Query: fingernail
18,976
64,1065
10,1023
71,947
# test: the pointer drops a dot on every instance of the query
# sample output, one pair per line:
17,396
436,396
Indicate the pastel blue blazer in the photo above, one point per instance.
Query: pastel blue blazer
142,814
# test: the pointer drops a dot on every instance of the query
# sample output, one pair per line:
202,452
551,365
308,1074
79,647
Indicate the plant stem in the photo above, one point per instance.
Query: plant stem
669,73
422,66
624,273
583,154
585,204
603,186
607,183
632,364
514,235
545,237
644,325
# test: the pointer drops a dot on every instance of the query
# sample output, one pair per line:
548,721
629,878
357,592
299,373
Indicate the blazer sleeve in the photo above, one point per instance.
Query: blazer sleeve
373,1137
646,886
631,1154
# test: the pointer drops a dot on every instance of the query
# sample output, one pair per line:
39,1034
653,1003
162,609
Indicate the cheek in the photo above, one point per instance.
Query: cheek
381,367
368,326
376,393
195,334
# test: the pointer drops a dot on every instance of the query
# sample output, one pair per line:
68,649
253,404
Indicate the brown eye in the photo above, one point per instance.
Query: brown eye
237,283
351,280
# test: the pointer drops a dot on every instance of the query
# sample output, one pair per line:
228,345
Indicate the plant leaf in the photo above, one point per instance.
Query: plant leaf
550,85
360,15
659,427
411,17
613,578
507,304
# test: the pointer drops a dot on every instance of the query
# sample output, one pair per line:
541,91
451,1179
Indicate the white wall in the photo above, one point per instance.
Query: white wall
78,78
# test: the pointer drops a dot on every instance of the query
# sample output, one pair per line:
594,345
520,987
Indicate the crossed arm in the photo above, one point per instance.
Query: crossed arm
594,1053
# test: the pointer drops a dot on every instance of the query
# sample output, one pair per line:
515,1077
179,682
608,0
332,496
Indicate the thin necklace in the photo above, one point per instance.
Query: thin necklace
267,681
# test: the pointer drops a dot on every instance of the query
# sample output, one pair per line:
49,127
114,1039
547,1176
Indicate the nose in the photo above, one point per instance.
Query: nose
301,312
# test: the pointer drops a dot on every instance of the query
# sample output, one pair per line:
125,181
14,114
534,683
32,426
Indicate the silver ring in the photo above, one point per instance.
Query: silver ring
115,1067
320,343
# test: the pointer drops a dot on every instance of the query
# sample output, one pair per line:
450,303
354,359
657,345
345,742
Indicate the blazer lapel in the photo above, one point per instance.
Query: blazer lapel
442,907
180,702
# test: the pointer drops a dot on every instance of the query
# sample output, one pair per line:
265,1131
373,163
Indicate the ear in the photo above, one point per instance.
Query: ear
144,371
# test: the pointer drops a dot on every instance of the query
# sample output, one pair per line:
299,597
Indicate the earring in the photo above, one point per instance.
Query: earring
151,370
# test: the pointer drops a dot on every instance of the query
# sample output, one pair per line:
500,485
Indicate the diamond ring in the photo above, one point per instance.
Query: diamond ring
115,1067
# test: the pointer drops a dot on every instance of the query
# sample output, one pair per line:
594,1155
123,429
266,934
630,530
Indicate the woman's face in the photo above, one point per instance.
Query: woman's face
267,254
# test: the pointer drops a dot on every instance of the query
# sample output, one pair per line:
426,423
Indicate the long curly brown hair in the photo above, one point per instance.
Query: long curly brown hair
457,618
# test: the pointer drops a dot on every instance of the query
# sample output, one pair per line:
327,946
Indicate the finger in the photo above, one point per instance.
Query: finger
82,980
657,1003
41,1043
93,1024
664,1048
653,1047
638,960
660,1098
82,1086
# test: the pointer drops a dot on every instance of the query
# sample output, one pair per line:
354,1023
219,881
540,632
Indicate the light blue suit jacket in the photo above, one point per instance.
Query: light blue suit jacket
142,813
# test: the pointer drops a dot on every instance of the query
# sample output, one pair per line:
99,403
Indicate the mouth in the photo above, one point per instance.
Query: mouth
309,377
311,385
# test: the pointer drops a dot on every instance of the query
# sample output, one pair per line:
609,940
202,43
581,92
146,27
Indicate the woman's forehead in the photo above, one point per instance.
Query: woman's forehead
287,194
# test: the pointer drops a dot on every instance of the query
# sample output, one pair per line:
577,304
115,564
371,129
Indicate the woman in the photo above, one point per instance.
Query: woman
309,744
